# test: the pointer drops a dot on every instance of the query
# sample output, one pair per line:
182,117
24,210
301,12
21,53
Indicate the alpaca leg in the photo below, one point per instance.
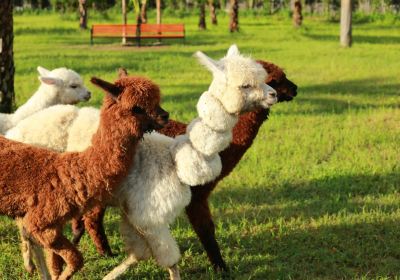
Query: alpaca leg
55,262
40,261
54,241
120,269
200,217
78,230
94,225
26,249
164,247
135,245
174,272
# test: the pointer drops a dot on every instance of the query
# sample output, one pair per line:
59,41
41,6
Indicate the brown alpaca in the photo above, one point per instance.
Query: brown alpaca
46,189
198,210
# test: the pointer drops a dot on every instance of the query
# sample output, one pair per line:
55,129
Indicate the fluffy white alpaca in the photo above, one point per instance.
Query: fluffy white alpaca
157,189
59,86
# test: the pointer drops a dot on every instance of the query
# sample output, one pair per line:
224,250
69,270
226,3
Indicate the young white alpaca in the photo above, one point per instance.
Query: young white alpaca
59,86
157,188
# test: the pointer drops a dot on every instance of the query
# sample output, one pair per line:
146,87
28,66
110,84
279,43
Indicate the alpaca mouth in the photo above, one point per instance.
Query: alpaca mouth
157,124
86,98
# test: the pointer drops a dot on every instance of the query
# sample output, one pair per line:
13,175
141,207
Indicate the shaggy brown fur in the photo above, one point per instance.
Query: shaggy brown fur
198,210
47,189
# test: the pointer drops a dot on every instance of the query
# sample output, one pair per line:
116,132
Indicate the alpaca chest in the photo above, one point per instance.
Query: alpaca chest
153,192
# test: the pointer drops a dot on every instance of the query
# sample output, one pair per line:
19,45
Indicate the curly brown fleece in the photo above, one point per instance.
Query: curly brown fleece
47,189
198,210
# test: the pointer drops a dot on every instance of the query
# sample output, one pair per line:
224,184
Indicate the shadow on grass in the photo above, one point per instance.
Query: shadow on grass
313,199
362,87
44,30
332,97
349,249
326,252
357,38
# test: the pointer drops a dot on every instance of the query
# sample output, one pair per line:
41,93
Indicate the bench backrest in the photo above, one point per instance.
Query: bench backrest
129,30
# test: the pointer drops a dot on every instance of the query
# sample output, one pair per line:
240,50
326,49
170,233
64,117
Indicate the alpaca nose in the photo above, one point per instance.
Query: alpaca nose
272,94
88,95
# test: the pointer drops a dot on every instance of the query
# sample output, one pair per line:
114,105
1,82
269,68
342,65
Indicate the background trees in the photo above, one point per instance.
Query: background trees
6,56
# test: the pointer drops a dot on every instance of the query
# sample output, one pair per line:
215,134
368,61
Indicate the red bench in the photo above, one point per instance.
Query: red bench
129,31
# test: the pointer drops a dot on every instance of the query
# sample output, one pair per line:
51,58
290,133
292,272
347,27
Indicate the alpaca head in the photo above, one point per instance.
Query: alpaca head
277,79
65,83
136,100
238,82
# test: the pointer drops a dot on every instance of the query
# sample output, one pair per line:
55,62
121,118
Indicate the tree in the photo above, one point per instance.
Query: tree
45,4
345,23
202,20
143,11
213,15
234,14
82,14
6,56
297,16
158,7
124,21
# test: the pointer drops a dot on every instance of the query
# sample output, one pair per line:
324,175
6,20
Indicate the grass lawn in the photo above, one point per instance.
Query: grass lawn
316,197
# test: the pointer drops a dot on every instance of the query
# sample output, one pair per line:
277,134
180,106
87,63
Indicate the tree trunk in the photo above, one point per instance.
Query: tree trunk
124,21
213,15
234,20
202,20
143,11
158,7
34,4
6,57
82,14
297,16
45,4
345,23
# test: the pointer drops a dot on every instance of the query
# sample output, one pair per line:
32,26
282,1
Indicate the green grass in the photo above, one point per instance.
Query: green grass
316,197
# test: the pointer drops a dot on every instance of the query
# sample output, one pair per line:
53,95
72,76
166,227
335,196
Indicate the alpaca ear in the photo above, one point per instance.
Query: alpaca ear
43,71
209,63
232,51
51,81
122,73
109,88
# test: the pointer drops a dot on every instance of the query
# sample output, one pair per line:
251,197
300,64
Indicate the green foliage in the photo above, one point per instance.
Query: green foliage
317,195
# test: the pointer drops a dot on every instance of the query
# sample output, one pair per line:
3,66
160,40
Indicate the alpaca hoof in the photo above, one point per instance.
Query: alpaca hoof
30,268
174,272
223,271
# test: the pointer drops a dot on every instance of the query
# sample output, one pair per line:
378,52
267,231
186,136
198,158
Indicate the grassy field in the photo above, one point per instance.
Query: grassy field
316,197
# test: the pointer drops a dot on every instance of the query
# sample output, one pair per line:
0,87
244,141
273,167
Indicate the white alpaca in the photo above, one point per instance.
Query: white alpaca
59,86
157,188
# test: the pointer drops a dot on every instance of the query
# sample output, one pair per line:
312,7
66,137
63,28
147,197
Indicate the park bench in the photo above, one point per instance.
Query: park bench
130,31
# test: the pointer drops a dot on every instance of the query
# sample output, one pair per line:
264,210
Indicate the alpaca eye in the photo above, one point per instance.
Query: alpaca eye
138,110
245,86
73,86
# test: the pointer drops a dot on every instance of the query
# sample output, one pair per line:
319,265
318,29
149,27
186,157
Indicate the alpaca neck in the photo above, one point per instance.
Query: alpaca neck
44,97
243,135
109,158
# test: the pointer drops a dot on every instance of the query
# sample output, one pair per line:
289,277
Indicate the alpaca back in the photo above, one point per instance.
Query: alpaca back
48,128
83,127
